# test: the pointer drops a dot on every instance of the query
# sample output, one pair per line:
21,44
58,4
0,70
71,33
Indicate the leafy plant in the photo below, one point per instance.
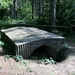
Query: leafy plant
58,32
65,12
47,61
18,58
23,63
4,7
1,43
62,51
7,57
10,20
5,4
25,12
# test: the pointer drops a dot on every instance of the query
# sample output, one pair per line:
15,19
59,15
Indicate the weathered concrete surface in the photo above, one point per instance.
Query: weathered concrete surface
24,40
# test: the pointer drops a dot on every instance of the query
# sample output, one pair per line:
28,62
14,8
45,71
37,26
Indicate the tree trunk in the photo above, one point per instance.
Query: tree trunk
53,12
39,8
15,9
32,9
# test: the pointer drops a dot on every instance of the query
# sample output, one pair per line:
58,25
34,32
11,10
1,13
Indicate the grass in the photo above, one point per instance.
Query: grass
17,58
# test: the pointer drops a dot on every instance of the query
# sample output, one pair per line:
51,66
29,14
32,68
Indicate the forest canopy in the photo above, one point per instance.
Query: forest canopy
37,12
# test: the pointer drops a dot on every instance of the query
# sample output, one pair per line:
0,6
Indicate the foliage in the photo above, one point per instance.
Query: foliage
4,7
5,4
47,61
44,60
65,12
18,58
55,31
62,51
10,20
23,63
1,43
24,10
7,56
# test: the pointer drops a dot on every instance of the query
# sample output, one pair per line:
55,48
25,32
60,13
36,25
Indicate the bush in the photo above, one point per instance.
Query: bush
61,54
18,58
4,6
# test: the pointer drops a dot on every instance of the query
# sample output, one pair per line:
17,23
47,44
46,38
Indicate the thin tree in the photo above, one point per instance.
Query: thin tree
32,9
15,9
39,8
53,12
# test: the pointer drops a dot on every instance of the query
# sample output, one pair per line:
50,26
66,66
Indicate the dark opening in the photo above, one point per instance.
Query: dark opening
47,52
41,52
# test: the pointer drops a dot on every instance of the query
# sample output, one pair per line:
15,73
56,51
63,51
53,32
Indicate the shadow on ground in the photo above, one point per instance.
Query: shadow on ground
1,52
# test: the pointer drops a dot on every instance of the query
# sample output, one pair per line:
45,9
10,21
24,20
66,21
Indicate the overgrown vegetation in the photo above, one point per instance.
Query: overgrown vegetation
65,12
5,4
1,43
38,12
62,51
47,61
4,8
17,58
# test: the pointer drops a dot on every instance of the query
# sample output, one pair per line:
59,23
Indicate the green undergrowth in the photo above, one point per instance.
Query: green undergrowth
47,61
1,43
17,58
43,59
62,51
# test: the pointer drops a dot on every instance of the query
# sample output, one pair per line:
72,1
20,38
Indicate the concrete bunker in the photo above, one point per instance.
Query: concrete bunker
26,40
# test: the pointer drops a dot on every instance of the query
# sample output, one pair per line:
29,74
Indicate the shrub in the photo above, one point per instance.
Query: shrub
18,58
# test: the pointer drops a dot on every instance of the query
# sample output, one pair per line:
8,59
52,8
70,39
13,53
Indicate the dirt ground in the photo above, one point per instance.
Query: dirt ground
32,67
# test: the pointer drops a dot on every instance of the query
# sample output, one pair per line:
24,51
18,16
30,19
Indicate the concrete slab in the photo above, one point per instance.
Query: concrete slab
24,40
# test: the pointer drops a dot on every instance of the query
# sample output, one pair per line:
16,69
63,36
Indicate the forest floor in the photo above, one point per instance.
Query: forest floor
8,66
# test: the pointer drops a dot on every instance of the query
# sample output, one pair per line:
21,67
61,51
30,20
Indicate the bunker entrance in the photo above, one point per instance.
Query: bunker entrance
41,52
47,52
